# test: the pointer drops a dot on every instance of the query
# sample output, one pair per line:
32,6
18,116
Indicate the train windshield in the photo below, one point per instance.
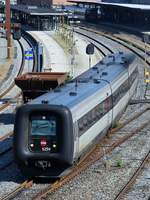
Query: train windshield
42,125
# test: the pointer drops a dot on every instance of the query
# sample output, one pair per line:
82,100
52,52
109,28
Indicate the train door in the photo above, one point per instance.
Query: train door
108,109
76,136
107,104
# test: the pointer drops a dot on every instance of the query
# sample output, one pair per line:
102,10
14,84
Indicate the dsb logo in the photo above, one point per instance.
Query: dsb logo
43,143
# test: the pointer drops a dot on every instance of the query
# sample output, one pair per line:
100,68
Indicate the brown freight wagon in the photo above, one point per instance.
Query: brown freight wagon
34,84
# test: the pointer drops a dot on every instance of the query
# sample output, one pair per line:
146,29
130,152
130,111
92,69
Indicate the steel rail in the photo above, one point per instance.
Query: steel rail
133,178
25,184
129,120
114,130
125,44
9,103
55,186
95,40
79,169
13,84
20,71
6,136
95,147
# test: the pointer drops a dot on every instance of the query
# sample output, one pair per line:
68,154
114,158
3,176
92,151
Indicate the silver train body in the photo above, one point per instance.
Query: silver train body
55,130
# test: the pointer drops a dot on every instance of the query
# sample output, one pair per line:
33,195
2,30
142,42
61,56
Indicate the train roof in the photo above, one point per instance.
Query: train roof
125,5
89,82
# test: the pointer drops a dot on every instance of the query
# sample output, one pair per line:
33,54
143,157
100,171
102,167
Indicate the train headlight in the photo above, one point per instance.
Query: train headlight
31,145
43,117
54,145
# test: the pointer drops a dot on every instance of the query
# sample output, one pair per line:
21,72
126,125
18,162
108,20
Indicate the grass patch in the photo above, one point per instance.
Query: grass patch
119,162
60,41
66,44
115,126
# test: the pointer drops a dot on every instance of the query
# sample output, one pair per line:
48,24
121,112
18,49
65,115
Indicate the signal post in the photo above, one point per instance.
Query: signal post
8,26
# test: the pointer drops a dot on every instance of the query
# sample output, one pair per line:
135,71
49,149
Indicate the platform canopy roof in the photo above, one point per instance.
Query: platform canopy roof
34,10
125,5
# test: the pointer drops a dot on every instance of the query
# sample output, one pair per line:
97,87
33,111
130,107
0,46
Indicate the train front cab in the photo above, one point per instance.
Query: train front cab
43,140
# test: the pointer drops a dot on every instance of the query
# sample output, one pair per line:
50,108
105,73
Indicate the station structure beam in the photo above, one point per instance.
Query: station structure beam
8,26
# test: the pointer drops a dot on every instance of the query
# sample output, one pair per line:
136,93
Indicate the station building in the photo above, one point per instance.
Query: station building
48,3
38,18
146,2
41,3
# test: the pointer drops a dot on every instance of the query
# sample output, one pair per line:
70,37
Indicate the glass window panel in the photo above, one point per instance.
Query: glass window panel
45,127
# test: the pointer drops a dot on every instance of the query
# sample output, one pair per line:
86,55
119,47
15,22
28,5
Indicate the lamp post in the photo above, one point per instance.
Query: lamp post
146,73
8,26
146,39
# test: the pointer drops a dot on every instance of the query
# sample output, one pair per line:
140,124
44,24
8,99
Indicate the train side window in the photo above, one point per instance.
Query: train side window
101,109
80,124
115,95
89,118
97,113
85,122
107,104
111,102
93,115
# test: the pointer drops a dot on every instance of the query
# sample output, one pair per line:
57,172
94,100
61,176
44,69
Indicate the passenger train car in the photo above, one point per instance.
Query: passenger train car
93,15
54,131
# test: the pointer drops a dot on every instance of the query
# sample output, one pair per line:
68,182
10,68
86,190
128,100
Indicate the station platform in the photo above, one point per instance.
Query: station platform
3,50
56,59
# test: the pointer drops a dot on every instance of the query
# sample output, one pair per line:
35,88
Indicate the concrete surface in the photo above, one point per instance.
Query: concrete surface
3,50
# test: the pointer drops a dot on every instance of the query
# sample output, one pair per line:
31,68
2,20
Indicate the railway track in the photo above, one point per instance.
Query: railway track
131,44
72,174
7,102
8,148
127,44
5,140
133,178
6,136
21,69
137,46
94,155
5,149
20,72
88,161
25,184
